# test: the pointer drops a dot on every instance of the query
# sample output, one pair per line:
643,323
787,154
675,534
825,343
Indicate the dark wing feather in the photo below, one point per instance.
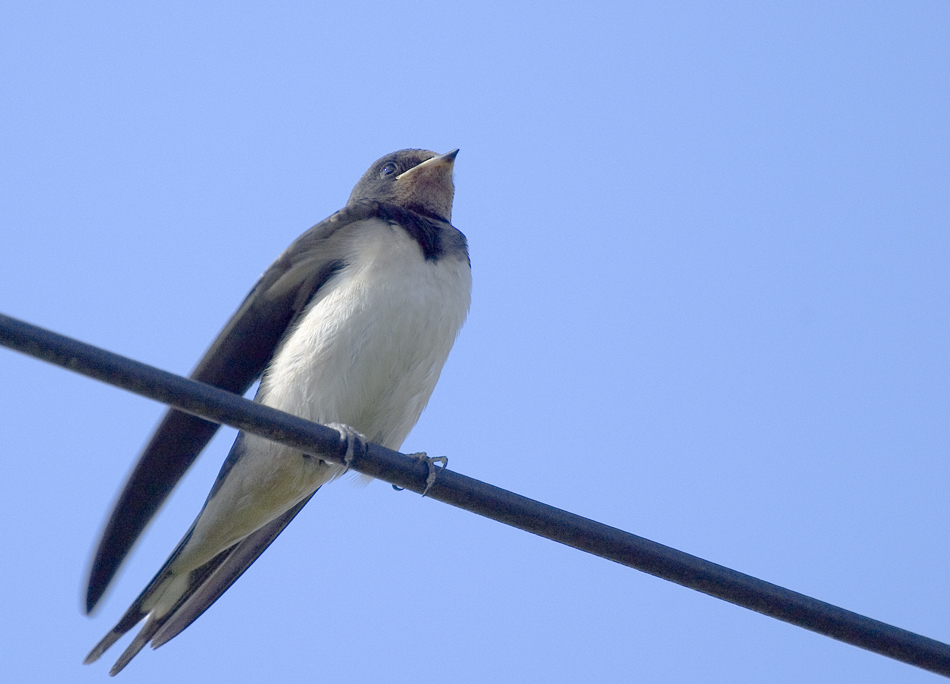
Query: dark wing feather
234,362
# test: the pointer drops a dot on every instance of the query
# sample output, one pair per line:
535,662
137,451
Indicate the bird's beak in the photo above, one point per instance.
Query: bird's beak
447,161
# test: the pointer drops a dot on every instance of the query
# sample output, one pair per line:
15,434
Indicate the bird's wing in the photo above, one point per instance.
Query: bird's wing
236,358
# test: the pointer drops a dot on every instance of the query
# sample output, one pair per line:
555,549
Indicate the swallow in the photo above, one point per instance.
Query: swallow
350,326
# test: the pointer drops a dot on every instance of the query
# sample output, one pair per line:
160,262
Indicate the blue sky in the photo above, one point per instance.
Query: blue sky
710,250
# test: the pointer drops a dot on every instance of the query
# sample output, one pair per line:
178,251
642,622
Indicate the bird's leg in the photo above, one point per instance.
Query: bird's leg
355,442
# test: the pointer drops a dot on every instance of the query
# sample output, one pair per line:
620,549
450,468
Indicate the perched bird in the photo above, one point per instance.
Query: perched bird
351,325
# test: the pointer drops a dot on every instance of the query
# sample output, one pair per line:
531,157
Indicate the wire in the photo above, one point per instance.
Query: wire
478,497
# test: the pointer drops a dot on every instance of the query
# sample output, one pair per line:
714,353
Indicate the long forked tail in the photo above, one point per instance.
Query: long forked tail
202,587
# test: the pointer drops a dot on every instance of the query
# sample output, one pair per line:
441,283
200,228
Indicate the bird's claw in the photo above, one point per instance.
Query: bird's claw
433,471
355,442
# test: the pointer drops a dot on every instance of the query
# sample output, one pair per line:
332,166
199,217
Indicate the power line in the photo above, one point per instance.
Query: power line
478,497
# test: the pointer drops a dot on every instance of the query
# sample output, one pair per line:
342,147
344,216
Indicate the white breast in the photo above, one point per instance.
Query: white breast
369,349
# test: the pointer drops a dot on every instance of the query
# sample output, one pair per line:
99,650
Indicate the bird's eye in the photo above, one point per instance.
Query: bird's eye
387,170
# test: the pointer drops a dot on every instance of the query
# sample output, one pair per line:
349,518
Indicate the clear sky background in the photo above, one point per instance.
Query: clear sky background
711,255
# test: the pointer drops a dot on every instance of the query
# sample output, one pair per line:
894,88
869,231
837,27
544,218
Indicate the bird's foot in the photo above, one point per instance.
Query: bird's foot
355,442
433,471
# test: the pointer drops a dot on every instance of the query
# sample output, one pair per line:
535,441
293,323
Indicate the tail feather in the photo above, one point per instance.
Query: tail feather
142,605
210,590
148,630
202,587
114,635
146,602
134,615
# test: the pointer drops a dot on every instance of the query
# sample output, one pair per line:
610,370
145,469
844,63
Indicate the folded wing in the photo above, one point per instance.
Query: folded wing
235,360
